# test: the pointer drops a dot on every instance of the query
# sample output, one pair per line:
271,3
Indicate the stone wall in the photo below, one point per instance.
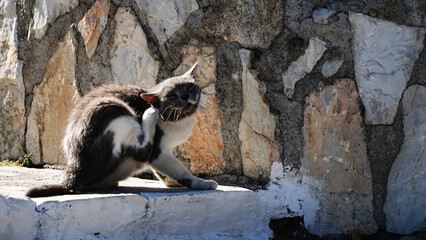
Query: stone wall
322,99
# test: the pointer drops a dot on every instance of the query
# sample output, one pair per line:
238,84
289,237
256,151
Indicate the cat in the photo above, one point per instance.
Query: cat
117,130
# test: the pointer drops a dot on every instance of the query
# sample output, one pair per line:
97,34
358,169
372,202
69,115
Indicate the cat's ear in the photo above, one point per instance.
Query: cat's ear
190,72
151,99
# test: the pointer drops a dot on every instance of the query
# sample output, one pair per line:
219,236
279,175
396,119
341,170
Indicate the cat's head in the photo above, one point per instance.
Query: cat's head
176,97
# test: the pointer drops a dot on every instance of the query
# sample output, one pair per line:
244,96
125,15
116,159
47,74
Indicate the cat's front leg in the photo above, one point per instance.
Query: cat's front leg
149,120
172,168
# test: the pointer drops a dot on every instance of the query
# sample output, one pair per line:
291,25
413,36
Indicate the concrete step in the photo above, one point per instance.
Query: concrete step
139,209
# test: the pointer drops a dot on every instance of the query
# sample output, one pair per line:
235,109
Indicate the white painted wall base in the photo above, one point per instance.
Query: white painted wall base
142,209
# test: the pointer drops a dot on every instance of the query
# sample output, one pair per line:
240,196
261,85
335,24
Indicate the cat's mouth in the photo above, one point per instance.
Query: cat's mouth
174,113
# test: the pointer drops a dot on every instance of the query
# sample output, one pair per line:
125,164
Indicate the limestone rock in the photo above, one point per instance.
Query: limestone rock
303,65
322,15
205,146
131,60
336,155
12,92
253,24
405,205
257,126
92,25
52,104
46,12
384,57
166,17
331,67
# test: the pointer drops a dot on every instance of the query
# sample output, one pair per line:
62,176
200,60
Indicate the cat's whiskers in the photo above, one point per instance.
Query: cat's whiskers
164,111
171,111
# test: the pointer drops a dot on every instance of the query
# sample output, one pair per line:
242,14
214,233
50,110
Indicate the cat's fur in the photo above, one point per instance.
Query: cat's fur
117,130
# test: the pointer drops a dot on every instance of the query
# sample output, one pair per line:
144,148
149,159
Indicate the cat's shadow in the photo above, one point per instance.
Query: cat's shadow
142,190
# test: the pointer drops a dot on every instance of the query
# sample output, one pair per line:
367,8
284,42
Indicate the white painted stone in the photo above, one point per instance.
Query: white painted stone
322,15
17,218
384,57
131,60
330,67
140,209
257,126
12,91
288,194
166,17
46,12
405,205
303,65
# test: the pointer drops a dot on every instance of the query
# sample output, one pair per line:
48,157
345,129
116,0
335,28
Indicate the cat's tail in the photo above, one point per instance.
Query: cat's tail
48,190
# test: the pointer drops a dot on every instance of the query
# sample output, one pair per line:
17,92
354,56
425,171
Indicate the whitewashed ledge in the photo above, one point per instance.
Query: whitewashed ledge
140,209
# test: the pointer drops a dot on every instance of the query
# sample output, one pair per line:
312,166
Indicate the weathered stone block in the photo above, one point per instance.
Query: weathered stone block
46,12
384,57
257,126
303,65
336,155
253,24
205,146
131,61
52,104
166,17
92,25
12,91
405,205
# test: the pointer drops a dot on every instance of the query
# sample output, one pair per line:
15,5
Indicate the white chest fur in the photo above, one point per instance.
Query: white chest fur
176,133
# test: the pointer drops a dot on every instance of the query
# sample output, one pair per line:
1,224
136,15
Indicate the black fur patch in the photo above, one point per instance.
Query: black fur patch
156,151
185,182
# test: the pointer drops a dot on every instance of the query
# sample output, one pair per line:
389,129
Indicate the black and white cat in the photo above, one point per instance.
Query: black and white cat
117,130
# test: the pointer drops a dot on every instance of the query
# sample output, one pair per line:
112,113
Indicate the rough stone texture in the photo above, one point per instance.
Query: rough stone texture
322,15
405,205
12,92
336,154
384,57
92,25
46,12
131,61
303,65
257,126
330,67
253,24
52,103
166,17
142,209
17,218
204,148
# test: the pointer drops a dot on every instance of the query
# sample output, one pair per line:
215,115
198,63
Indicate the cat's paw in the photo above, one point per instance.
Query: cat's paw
151,114
204,185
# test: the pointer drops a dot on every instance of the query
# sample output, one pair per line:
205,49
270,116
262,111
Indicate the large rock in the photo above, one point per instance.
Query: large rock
131,60
205,146
46,12
52,104
384,57
12,92
405,205
257,126
303,65
92,25
253,24
336,155
166,17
